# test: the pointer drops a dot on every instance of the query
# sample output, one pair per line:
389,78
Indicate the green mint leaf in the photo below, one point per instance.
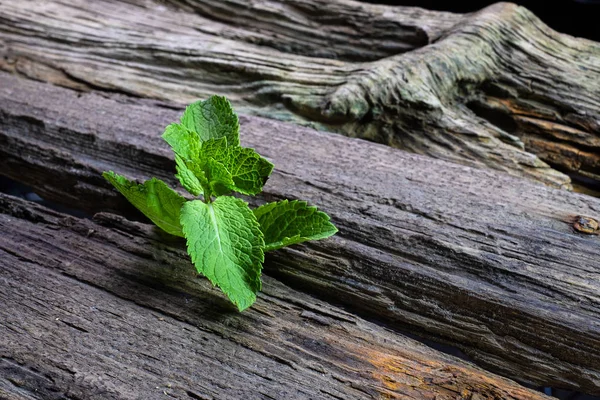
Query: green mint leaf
214,148
213,119
226,245
248,169
184,142
289,222
189,178
219,177
212,154
186,145
154,198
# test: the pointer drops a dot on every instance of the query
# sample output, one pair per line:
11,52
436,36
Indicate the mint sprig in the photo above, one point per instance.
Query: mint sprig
226,240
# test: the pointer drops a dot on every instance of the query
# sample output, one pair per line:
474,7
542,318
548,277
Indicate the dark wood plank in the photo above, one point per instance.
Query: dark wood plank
108,310
476,258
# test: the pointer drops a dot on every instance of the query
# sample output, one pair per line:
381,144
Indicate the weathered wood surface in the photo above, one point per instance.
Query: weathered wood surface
495,88
108,310
476,258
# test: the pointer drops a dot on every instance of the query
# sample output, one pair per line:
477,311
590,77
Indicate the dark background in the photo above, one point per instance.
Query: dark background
579,18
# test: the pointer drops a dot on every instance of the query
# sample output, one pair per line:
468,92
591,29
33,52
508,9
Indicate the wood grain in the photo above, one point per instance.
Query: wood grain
496,88
108,310
484,261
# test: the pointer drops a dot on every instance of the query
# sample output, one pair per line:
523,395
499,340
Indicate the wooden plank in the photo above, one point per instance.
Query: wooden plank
476,258
496,88
108,310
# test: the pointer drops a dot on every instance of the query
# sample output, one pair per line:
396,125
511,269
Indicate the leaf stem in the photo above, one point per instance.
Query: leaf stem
207,196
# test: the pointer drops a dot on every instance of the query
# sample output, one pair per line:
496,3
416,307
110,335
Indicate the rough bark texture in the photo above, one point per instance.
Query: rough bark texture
494,88
473,257
110,311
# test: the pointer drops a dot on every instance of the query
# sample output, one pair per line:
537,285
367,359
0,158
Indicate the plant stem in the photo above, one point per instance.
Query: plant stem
207,196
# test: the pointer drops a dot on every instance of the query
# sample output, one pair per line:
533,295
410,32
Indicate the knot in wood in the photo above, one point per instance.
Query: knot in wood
586,225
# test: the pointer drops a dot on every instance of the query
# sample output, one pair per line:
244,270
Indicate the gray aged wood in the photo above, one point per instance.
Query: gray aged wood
108,310
494,88
472,257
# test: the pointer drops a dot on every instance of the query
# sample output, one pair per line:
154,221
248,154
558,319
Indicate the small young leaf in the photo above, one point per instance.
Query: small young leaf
213,119
189,178
154,198
226,245
214,148
248,169
284,223
219,177
184,142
